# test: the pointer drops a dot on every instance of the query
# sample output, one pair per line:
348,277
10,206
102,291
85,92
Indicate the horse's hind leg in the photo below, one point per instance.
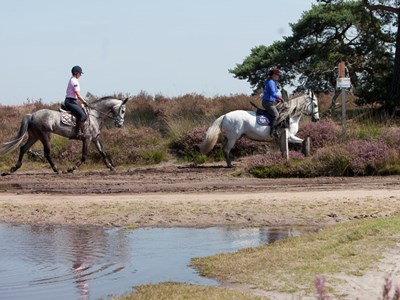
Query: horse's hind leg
229,143
31,140
45,139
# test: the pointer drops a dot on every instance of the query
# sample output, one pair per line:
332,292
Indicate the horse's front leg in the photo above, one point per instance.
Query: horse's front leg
107,160
85,150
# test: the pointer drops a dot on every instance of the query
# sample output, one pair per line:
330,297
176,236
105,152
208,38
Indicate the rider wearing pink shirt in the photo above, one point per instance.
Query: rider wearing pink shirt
72,97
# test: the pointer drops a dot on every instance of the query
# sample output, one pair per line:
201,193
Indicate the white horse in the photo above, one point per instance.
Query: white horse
235,124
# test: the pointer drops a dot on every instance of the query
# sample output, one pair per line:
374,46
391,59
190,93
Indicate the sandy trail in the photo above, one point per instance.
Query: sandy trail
175,195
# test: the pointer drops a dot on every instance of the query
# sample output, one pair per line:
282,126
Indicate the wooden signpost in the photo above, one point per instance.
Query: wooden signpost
343,82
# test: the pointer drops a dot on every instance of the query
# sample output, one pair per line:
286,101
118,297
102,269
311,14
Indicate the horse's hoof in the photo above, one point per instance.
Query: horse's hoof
5,173
71,170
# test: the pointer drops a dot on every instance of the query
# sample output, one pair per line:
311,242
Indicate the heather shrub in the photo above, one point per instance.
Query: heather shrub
72,152
332,161
323,133
11,116
267,166
246,147
224,104
129,145
185,146
274,165
142,111
391,136
368,157
190,106
296,155
305,168
357,157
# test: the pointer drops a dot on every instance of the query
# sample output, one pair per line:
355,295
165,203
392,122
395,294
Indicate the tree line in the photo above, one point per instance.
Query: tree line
362,33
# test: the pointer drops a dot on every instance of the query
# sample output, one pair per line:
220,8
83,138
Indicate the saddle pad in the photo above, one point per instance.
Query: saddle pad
67,118
262,120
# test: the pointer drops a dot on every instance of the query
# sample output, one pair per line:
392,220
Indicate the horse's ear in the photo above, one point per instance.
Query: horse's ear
125,100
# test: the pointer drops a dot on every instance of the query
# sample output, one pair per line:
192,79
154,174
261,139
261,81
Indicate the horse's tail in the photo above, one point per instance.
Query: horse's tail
15,142
211,136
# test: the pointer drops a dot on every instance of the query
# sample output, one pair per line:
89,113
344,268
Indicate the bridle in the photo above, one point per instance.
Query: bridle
117,119
313,112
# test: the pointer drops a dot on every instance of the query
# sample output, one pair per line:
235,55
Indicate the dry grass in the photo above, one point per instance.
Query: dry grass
177,291
291,265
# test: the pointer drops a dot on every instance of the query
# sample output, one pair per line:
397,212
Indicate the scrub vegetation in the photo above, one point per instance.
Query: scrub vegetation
159,129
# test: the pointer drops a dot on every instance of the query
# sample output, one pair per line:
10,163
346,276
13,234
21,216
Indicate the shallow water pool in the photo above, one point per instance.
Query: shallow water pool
65,262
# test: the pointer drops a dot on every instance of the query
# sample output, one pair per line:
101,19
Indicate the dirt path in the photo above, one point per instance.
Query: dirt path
176,195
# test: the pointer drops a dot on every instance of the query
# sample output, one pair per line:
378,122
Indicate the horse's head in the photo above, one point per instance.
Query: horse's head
119,114
313,107
106,105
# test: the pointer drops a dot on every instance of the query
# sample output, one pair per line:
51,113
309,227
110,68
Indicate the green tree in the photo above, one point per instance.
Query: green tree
389,11
329,32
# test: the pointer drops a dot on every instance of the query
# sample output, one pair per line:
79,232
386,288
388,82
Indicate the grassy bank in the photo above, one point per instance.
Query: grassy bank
290,265
177,291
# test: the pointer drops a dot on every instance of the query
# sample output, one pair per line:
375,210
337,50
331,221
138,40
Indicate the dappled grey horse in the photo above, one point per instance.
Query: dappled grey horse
235,124
42,123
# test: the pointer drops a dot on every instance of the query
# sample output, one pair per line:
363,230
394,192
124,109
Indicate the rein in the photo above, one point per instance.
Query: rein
100,112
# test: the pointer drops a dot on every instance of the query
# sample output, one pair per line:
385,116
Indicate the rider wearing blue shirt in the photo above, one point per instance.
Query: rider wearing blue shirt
271,96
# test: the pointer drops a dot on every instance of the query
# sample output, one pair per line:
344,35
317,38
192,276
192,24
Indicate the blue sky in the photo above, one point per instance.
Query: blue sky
163,47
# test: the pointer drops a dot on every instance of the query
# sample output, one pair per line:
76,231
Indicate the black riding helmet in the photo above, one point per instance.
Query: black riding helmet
76,69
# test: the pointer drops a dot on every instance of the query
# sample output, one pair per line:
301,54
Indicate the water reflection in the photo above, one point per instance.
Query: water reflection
44,262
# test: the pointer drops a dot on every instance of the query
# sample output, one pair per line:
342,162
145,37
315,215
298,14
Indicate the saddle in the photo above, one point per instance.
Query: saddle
67,118
263,117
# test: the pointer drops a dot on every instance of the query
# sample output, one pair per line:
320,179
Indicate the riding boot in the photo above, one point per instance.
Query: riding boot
273,132
79,129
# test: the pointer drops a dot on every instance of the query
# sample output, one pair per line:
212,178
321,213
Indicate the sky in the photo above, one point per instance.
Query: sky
172,48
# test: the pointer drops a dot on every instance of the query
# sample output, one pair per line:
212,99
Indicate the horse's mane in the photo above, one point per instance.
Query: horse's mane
292,108
104,98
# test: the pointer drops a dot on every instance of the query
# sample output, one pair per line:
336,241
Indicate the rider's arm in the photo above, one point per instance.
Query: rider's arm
271,85
78,95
